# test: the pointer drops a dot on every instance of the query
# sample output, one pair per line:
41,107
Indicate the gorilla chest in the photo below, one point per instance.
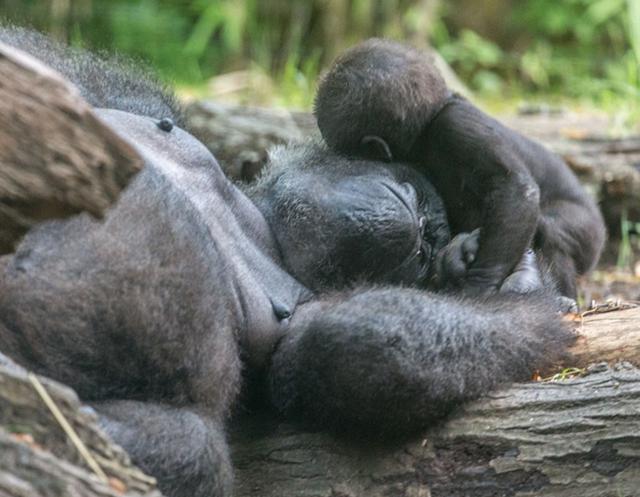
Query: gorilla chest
195,219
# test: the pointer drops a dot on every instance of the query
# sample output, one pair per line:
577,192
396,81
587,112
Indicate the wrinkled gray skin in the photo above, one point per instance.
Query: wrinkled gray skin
308,279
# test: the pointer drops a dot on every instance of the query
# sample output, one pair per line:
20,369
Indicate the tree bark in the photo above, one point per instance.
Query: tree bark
56,157
38,458
608,337
578,437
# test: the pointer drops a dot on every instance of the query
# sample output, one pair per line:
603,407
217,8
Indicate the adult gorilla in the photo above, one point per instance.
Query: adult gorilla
151,314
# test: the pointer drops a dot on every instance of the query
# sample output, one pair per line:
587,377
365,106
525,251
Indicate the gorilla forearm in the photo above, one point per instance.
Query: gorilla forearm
484,184
525,194
393,360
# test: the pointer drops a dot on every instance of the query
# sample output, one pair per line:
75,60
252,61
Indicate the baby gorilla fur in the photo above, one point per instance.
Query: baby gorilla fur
384,100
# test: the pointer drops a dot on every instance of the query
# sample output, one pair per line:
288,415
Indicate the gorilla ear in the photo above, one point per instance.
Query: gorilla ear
376,148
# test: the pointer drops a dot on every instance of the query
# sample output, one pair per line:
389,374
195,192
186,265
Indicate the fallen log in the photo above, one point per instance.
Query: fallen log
608,337
56,157
577,437
37,456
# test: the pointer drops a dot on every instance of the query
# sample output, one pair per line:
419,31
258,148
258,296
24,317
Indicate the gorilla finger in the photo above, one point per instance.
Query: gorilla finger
470,246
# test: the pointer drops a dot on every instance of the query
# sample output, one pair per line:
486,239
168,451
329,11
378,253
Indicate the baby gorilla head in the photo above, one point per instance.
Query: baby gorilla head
338,221
377,98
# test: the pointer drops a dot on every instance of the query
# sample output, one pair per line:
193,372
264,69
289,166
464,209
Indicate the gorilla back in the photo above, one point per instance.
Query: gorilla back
159,303
104,83
151,314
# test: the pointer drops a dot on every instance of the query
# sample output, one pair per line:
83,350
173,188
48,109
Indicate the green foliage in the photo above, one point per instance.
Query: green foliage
582,49
575,48
154,32
629,241
477,60
590,38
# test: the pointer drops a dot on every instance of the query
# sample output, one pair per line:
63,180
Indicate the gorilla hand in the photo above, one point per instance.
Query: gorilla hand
453,261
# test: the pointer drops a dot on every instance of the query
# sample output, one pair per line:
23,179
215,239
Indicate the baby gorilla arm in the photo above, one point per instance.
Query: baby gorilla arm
393,360
485,184
532,274
454,260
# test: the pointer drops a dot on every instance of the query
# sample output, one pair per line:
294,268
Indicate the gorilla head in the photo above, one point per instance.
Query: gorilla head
356,221
378,94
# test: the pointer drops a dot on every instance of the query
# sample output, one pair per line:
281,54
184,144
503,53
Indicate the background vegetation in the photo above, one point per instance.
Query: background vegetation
585,50
575,53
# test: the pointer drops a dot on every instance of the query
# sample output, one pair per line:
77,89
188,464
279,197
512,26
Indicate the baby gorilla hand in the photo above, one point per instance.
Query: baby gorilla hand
453,261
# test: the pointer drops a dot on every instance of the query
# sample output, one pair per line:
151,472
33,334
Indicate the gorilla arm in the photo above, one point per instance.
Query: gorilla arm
484,183
392,360
516,191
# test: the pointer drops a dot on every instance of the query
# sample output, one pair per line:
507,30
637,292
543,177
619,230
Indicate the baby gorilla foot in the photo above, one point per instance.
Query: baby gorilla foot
453,261
525,278
566,305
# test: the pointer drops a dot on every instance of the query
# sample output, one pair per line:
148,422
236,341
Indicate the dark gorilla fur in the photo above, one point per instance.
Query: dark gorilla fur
306,209
382,99
152,313
105,83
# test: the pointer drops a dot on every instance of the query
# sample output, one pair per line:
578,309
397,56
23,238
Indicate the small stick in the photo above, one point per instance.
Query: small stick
68,429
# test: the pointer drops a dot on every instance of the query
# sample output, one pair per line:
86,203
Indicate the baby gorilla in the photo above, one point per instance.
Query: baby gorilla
384,100
152,313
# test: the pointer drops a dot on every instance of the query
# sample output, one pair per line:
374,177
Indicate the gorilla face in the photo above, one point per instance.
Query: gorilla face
338,221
